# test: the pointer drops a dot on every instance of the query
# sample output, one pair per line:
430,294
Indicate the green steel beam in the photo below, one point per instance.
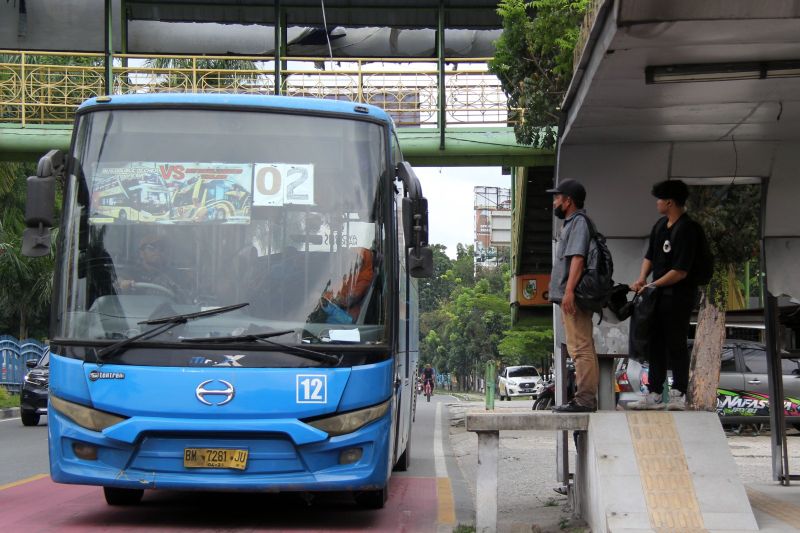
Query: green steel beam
442,121
278,46
109,48
32,142
464,146
470,147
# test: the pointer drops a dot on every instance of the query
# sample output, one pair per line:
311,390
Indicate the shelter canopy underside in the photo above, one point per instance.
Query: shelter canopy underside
622,133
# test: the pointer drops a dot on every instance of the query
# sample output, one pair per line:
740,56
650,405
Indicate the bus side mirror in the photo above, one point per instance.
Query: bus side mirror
420,262
415,223
40,205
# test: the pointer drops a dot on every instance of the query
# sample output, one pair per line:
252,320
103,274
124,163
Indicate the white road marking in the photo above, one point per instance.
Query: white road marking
7,419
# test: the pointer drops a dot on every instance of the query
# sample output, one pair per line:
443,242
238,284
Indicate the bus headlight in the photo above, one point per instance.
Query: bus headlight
349,422
84,416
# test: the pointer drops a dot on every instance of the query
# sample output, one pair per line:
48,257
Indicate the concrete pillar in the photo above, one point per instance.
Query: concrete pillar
605,393
486,486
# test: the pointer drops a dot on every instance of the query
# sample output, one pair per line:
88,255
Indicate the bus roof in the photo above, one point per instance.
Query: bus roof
242,100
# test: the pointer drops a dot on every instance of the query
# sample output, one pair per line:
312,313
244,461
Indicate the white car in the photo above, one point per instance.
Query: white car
518,381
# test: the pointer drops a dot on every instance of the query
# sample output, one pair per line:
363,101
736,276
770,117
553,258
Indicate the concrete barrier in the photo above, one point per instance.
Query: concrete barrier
636,471
488,424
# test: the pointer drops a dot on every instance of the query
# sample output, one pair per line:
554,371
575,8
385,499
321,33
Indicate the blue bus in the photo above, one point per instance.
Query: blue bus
272,351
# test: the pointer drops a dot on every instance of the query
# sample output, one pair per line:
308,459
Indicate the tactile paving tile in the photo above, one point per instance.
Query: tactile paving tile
782,510
671,501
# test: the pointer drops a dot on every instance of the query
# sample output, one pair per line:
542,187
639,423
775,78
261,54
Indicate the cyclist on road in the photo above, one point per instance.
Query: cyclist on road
428,376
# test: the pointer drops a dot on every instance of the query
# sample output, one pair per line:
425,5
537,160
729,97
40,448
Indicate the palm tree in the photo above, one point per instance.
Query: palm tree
216,75
27,285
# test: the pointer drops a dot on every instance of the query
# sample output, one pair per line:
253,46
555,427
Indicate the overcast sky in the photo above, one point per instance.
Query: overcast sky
450,201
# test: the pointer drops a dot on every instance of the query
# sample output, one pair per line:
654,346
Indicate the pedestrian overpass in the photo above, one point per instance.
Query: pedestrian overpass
423,61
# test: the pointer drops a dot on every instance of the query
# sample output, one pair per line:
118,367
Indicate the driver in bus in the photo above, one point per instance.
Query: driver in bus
343,304
152,273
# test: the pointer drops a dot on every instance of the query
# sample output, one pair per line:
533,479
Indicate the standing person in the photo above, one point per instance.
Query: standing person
568,266
670,256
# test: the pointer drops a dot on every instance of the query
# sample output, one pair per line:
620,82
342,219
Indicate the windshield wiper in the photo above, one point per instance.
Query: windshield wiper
314,355
163,324
237,338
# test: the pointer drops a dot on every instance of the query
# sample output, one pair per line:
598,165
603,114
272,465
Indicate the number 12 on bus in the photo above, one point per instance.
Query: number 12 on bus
261,332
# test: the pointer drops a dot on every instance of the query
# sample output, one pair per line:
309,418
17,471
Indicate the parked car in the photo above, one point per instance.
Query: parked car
33,396
743,385
517,381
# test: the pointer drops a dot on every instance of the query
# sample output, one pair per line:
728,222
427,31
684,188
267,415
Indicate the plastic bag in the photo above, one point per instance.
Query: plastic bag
643,323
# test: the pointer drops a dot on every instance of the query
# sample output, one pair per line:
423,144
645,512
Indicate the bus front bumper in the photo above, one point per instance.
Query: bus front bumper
276,463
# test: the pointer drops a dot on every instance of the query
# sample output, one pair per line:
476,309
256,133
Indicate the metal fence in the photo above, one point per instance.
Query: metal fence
46,87
13,355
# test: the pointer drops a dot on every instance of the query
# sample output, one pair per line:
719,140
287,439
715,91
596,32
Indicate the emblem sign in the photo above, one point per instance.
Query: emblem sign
215,396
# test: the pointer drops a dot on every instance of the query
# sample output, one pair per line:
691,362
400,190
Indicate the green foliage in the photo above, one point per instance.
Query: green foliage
434,290
7,400
467,320
27,283
527,346
533,61
730,216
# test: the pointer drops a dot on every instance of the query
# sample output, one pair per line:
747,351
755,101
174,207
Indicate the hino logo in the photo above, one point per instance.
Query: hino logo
227,393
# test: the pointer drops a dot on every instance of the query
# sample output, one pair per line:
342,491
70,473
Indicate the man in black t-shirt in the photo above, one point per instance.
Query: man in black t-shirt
670,257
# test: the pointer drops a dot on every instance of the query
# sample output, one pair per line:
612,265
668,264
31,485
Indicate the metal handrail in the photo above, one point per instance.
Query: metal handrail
47,87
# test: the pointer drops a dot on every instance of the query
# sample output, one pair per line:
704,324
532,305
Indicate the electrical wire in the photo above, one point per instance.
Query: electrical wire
325,25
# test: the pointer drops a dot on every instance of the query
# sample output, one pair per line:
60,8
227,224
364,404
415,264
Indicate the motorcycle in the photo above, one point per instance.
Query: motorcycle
546,397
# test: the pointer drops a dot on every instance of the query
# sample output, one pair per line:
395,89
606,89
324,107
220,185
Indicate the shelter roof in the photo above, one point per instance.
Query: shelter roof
750,47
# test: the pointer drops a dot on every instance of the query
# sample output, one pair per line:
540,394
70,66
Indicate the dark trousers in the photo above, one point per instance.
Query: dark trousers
671,331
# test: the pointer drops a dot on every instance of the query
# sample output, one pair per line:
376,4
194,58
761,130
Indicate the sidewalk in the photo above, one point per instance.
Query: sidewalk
527,477
9,412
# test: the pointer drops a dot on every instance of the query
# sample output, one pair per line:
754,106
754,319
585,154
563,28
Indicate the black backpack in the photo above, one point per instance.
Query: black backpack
702,269
595,286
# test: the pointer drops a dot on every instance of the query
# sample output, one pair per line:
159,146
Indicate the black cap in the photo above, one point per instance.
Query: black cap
570,188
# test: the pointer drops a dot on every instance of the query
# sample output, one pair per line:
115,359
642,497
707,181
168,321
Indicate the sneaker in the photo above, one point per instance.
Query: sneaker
573,407
652,401
677,401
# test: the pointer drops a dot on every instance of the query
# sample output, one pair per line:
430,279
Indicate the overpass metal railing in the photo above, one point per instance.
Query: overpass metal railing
47,87
13,355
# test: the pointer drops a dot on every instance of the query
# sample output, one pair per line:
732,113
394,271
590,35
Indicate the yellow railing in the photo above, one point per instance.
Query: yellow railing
38,87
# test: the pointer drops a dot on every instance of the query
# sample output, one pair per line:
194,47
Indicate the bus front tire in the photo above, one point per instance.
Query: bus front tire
372,499
117,496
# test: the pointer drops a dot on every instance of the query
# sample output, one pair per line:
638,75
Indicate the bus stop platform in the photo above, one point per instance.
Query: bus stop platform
640,472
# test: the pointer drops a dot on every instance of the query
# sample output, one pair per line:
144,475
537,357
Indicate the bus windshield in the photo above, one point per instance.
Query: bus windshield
177,211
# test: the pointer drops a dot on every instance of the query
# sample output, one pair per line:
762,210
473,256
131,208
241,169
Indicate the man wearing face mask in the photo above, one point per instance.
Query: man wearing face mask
568,266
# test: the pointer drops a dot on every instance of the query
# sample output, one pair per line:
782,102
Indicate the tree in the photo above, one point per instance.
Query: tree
527,346
434,290
27,283
533,61
211,74
730,217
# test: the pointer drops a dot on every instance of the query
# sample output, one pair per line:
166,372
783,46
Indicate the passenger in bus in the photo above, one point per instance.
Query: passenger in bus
152,273
349,295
